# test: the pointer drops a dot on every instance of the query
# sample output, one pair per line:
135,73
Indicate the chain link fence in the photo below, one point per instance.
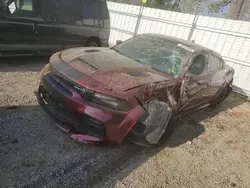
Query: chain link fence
221,25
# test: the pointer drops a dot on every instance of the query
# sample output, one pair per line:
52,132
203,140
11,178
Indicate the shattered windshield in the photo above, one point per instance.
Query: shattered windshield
159,53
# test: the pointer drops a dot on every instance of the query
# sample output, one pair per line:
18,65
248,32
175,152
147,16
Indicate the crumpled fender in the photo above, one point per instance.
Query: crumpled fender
153,126
157,120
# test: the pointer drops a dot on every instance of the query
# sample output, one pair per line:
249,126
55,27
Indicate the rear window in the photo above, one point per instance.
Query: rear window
214,63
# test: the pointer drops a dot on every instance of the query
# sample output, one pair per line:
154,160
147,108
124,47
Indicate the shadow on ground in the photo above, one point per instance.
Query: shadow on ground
34,153
81,165
186,129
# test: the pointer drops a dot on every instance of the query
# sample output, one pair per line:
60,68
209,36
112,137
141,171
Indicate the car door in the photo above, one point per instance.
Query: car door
196,88
216,68
17,25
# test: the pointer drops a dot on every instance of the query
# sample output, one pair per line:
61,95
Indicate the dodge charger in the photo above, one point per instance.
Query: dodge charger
131,90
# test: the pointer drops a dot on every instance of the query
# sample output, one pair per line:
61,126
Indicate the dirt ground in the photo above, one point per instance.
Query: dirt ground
209,148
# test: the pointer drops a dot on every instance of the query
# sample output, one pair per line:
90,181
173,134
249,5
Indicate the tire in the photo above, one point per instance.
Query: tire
92,42
221,96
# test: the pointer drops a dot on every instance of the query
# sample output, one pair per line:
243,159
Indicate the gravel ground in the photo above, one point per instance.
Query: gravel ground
209,148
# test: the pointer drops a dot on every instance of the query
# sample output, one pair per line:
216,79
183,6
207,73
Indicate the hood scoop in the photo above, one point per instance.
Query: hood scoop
91,50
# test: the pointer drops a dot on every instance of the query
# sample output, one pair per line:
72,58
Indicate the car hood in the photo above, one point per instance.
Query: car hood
107,67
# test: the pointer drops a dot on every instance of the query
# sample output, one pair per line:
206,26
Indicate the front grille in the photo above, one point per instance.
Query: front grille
84,92
59,109
63,80
50,80
78,123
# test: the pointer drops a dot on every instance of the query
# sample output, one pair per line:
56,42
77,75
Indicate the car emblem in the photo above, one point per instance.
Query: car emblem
83,90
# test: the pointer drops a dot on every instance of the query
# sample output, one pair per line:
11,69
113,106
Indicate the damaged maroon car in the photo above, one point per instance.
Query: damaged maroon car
134,88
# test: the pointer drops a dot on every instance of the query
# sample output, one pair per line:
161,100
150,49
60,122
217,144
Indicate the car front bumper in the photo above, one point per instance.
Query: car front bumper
84,121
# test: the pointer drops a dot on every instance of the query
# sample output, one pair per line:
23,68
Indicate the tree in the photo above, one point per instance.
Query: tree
239,9
235,9
217,6
188,6
245,11
172,5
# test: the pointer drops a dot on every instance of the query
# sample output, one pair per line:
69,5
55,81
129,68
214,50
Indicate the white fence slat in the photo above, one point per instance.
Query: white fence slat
236,47
245,27
242,77
236,26
237,69
244,51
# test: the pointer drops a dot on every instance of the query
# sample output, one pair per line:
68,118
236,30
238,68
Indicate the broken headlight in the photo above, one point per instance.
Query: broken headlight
84,92
111,102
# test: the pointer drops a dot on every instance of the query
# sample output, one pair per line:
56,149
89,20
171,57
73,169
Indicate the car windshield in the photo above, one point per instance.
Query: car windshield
160,54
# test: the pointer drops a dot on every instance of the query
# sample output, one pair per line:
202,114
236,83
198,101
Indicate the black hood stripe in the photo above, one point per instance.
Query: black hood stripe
67,71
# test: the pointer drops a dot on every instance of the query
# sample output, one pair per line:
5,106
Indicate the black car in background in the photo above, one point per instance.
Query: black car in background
47,26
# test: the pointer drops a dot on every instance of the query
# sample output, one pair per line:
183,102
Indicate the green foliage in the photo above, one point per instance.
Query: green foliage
217,6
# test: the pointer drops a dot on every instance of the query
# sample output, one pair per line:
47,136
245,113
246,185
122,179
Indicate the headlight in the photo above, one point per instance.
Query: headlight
110,102
84,92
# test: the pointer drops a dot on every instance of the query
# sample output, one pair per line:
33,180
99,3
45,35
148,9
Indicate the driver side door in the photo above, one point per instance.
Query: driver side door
195,88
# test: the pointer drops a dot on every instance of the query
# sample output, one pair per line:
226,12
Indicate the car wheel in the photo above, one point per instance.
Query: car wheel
92,43
221,96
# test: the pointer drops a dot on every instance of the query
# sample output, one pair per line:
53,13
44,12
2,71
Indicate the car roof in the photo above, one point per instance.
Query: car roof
195,47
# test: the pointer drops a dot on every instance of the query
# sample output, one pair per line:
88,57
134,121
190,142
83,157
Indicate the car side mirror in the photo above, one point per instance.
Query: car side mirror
118,42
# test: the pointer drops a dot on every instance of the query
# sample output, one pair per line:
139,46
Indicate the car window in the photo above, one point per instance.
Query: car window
24,5
214,63
199,65
83,12
21,9
61,12
161,54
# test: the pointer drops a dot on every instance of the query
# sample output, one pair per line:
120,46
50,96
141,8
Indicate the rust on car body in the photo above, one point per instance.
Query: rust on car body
134,88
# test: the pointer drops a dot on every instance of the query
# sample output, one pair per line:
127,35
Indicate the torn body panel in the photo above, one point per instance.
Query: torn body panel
152,127
160,103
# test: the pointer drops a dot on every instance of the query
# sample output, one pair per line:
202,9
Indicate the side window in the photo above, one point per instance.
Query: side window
24,5
60,11
199,65
214,63
21,8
